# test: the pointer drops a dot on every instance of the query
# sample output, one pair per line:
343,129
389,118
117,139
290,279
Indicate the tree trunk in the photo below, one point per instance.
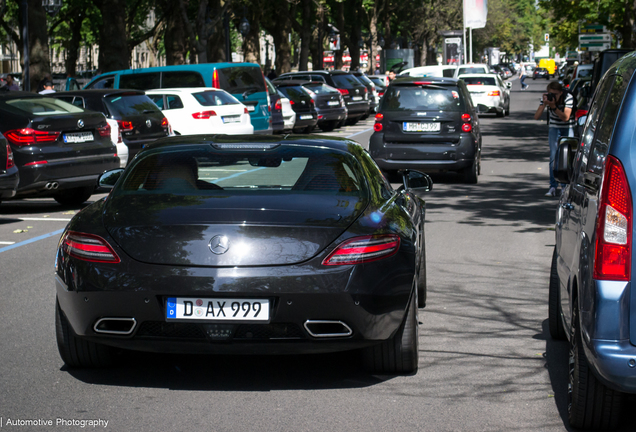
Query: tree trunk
175,38
628,23
72,50
283,49
216,45
39,59
113,44
374,47
251,41
305,35
424,53
337,58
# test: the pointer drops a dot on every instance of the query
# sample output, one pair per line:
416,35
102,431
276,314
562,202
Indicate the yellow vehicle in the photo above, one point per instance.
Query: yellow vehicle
549,65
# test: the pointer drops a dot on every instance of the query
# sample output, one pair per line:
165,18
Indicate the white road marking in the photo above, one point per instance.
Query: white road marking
6,243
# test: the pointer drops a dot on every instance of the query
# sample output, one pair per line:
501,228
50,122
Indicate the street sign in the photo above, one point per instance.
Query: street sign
598,37
595,46
593,28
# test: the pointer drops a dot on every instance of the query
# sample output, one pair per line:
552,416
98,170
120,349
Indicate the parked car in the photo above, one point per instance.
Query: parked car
244,81
276,107
380,85
380,80
540,73
330,105
59,149
591,300
289,115
430,71
427,124
489,93
256,262
372,93
202,111
471,68
9,176
354,93
139,120
302,104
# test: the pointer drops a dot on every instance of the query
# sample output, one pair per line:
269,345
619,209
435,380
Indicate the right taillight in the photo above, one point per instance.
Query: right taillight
343,91
89,247
28,136
467,125
278,105
614,225
364,249
378,122
203,115
125,125
10,161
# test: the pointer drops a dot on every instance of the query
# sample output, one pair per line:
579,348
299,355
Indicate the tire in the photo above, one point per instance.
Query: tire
74,196
351,122
501,113
591,405
555,322
421,279
507,113
309,129
399,354
76,352
469,175
328,126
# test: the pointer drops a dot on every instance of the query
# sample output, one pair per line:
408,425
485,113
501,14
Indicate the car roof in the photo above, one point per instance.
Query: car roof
481,75
5,94
293,82
183,90
101,92
433,80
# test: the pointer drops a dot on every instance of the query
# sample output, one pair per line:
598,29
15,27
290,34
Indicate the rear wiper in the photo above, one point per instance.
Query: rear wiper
246,93
149,112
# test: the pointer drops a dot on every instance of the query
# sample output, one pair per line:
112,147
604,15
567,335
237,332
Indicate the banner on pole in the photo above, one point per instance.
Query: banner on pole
475,13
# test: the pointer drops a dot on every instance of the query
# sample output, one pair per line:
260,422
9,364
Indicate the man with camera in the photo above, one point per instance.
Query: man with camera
561,122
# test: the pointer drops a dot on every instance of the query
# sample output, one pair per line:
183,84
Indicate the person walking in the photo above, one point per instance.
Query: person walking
11,85
522,77
560,122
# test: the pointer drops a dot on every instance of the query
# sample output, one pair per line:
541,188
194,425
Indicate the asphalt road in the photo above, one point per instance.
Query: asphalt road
487,362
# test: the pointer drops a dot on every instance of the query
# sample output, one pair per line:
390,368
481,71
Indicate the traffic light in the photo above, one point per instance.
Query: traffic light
547,37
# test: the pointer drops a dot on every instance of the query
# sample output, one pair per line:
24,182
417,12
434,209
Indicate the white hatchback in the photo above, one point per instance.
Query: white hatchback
471,68
488,93
202,110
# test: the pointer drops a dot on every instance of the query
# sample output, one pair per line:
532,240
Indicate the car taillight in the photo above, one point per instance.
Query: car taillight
245,111
422,82
364,249
104,131
466,117
579,113
380,94
125,125
164,122
28,136
468,125
378,122
494,93
10,160
613,257
291,102
277,105
89,247
35,163
343,91
215,79
203,115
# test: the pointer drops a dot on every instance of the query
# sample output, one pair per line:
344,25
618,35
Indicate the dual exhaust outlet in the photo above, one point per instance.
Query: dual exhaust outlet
51,185
316,328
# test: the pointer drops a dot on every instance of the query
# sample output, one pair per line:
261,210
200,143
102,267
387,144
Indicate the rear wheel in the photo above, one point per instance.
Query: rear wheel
557,331
351,122
74,196
328,126
591,404
399,354
469,175
309,129
76,352
501,113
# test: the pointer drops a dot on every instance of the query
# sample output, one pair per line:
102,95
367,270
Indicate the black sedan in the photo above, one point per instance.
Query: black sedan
540,73
302,103
59,149
9,177
246,245
330,105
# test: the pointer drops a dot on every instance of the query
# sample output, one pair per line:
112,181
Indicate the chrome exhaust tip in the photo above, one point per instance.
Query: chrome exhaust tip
51,185
327,328
116,326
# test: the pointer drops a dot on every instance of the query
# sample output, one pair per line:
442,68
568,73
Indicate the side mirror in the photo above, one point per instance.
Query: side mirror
108,179
566,151
415,180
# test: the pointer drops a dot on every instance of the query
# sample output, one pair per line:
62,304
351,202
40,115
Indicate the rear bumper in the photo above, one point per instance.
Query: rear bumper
330,114
9,183
423,156
610,362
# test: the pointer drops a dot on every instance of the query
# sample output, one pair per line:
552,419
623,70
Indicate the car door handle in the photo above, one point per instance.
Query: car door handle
567,206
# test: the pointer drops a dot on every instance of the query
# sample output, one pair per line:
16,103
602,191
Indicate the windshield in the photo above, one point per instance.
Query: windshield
431,98
489,81
345,80
210,170
295,93
471,70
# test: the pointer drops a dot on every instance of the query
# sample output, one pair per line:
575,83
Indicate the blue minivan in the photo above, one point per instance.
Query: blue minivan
245,81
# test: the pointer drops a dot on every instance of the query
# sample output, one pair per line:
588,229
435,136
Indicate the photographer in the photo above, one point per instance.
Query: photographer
560,122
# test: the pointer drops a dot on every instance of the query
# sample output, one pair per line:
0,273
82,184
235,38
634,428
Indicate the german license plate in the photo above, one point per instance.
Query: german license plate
333,103
78,137
421,127
306,117
217,309
356,98
251,108
232,119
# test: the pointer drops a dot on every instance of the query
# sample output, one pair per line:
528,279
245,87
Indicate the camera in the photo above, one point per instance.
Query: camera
551,97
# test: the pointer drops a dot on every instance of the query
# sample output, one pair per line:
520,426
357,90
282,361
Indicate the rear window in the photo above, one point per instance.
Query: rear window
215,98
130,105
479,81
139,81
431,98
43,106
380,82
582,73
181,80
319,88
471,70
295,93
215,170
363,79
241,79
345,80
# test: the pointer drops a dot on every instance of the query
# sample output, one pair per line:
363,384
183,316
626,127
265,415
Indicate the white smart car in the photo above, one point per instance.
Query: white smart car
489,93
202,110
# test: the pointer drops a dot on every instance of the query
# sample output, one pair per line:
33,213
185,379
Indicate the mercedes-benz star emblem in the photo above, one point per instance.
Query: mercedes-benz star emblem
219,244
80,123
148,123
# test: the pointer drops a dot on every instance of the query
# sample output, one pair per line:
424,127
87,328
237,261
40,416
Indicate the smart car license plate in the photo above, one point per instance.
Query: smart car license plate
306,117
421,127
333,103
78,137
356,98
217,309
232,119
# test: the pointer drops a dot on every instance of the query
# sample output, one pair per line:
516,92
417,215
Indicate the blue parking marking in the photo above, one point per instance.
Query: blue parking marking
26,242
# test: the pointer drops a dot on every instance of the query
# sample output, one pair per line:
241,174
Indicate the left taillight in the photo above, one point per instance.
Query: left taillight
613,255
89,247
28,136
104,131
378,122
164,122
10,161
364,249
494,93
203,115
467,121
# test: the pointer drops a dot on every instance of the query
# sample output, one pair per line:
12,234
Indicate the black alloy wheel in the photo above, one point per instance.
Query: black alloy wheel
555,321
591,405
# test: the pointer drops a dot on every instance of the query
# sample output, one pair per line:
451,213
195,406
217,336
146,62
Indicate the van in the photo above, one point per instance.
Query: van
549,65
245,81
